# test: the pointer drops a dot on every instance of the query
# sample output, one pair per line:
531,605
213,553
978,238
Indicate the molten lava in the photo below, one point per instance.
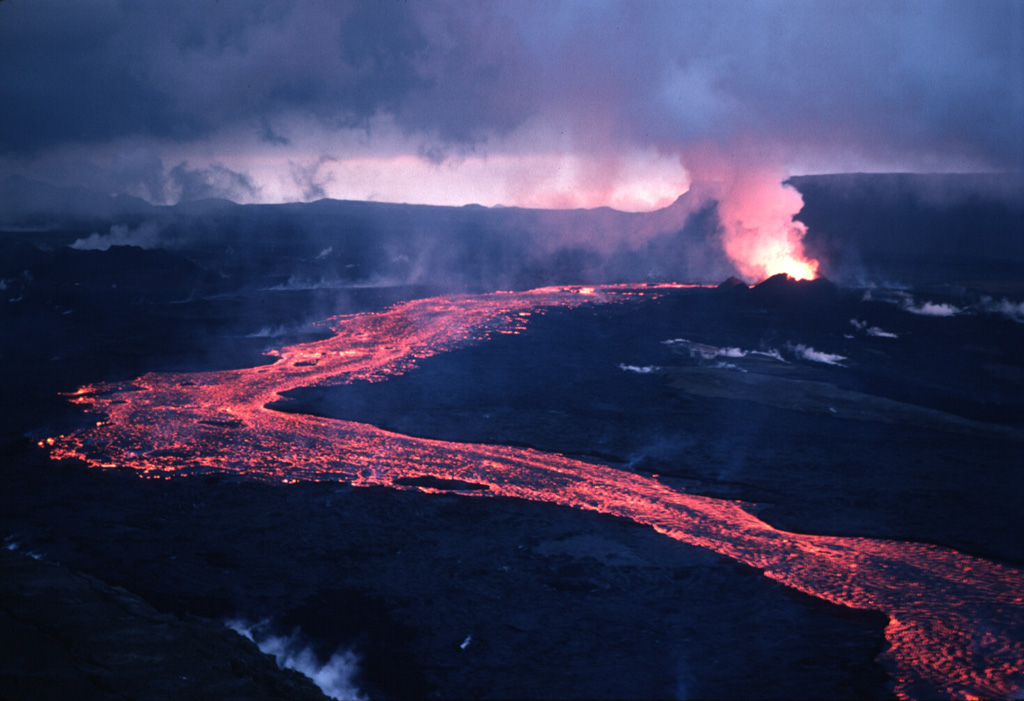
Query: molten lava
769,250
784,259
956,622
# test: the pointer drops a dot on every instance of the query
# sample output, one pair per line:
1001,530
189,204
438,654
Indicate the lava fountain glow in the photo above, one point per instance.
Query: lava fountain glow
760,235
956,622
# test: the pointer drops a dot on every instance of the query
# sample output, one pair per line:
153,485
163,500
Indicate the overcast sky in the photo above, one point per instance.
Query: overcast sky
522,103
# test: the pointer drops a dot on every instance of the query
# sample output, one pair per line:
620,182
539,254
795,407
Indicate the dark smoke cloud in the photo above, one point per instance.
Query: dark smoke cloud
938,83
540,104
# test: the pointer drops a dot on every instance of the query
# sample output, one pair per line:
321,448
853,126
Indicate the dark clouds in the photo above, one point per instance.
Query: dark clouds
792,85
94,70
65,78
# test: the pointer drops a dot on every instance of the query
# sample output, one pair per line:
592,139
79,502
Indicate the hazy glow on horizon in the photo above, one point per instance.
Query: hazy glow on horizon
557,104
554,105
647,182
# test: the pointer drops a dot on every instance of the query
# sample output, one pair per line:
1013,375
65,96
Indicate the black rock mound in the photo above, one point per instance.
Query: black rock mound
782,289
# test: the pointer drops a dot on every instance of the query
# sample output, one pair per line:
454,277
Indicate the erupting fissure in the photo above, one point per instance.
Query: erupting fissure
956,621
761,236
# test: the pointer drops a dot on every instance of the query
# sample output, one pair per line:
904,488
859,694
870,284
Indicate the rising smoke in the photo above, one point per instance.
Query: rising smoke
146,236
760,235
335,677
546,104
873,331
928,308
705,353
1008,308
809,353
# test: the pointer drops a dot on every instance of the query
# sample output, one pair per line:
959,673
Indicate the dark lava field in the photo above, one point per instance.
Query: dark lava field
883,411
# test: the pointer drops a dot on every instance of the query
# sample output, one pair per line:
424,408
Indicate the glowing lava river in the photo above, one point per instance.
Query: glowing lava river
956,622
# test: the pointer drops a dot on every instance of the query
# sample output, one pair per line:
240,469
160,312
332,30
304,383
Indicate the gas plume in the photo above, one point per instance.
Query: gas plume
931,309
1011,310
147,235
335,677
809,353
759,233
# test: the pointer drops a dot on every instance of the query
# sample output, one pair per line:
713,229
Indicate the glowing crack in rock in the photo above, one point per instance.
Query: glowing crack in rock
956,622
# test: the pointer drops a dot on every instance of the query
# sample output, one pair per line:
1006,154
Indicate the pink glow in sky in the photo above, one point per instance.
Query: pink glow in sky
550,105
558,104
638,182
760,235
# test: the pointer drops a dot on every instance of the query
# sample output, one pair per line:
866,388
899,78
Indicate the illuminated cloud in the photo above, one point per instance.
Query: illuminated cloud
536,104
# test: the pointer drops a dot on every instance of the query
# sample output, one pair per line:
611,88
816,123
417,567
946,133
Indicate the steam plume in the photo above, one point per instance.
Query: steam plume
817,356
336,677
760,236
932,309
1009,309
145,236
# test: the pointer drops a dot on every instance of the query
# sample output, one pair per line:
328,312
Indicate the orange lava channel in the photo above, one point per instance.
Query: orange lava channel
956,622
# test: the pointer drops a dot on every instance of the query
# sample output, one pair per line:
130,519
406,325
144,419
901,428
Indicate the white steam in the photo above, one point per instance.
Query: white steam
145,236
722,365
809,353
1011,310
771,354
704,351
642,370
707,352
871,330
336,677
931,309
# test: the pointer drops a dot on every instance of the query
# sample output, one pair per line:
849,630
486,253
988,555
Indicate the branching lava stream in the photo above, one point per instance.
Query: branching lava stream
956,622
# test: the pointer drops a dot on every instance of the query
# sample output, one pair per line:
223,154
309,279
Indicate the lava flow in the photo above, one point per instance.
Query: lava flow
956,622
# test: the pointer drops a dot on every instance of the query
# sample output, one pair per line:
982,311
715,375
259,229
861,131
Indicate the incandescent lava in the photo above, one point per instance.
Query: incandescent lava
956,622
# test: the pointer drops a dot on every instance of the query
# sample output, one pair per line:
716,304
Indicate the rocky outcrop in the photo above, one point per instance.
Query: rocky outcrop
67,635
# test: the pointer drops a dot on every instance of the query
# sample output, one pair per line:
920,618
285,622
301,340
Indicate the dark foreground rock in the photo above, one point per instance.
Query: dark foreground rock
67,635
439,595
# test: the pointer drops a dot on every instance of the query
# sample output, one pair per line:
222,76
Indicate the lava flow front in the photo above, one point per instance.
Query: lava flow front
956,622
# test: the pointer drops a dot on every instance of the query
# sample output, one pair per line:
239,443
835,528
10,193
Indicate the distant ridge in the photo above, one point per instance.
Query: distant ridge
29,201
862,227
